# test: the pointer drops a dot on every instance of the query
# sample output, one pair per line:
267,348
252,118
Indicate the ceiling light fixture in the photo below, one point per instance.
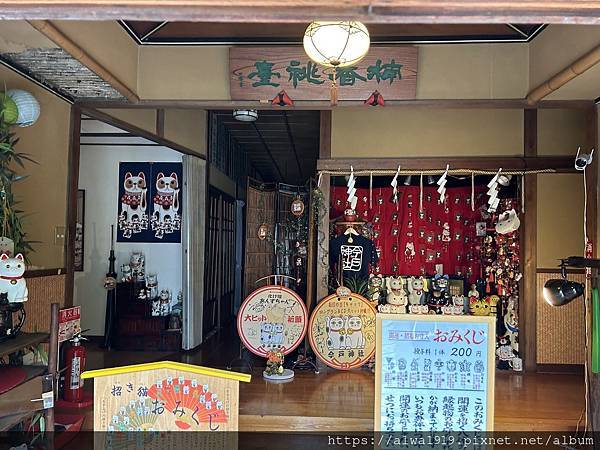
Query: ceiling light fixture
336,44
245,115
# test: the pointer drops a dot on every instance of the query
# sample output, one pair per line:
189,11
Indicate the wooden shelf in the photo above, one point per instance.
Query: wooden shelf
22,340
25,399
7,422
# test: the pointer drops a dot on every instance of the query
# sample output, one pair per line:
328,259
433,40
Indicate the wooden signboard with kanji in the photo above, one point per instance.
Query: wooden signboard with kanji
434,373
166,396
260,73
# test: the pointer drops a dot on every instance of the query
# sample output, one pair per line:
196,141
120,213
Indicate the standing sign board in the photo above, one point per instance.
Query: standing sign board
260,73
272,318
434,373
165,396
342,330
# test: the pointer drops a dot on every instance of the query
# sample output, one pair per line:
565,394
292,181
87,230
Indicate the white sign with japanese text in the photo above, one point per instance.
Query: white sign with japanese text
434,373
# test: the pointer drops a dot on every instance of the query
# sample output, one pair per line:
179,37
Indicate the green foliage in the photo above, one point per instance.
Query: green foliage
357,285
11,218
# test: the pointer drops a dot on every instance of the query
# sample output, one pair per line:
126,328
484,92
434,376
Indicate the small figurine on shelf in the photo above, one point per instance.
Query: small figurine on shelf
156,311
143,294
126,273
397,298
473,293
440,294
376,289
174,322
137,261
484,307
152,285
274,363
165,302
416,291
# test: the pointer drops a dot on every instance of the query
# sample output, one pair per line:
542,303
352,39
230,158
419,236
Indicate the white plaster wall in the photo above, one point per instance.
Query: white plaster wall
98,175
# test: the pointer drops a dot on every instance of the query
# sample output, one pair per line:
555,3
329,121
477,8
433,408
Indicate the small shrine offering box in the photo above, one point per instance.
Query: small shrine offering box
434,373
165,396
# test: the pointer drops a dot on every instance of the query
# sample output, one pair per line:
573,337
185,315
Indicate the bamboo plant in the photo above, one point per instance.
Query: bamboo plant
11,218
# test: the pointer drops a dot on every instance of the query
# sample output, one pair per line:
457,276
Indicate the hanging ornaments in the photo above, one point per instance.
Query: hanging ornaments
493,191
442,185
351,191
297,207
394,184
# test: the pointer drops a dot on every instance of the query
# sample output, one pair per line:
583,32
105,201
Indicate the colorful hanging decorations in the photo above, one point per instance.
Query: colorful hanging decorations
282,99
375,99
342,330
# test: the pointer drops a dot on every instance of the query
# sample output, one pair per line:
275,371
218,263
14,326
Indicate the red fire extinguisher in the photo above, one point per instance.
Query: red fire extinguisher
75,362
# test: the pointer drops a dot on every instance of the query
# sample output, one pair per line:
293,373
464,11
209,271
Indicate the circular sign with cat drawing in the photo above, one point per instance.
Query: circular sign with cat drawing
272,318
342,330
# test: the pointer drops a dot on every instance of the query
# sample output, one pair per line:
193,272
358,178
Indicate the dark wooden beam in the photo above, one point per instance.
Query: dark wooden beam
528,285
160,122
72,187
107,118
314,104
558,163
310,105
304,11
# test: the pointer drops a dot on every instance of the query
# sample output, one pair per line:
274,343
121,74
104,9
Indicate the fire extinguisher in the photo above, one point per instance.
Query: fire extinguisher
75,362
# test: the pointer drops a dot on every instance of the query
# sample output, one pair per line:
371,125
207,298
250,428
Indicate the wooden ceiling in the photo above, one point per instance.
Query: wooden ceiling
195,33
283,146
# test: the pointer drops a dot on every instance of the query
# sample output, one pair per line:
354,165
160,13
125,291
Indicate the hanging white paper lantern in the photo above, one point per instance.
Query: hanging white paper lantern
28,106
336,43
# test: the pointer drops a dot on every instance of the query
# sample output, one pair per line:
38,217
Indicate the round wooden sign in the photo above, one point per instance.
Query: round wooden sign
272,318
342,330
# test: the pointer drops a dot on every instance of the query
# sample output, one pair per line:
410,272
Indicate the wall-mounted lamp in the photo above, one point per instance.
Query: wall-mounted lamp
560,291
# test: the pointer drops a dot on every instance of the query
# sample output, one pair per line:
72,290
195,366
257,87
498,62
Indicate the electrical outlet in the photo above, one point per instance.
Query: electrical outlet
60,235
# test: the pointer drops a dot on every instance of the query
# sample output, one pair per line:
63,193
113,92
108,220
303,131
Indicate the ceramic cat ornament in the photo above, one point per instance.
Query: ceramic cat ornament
12,282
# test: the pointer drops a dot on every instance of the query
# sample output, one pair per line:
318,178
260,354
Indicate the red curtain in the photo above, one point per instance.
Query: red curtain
440,234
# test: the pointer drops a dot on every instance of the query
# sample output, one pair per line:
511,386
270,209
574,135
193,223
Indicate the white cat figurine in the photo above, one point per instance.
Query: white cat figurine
12,282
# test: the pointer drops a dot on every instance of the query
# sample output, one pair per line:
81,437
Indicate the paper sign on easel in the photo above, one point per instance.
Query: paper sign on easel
434,373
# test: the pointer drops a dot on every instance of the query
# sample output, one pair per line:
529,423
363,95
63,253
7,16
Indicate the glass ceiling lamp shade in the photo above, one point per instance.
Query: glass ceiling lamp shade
245,115
336,44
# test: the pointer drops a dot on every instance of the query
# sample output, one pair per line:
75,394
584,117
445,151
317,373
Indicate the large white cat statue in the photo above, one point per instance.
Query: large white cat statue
12,282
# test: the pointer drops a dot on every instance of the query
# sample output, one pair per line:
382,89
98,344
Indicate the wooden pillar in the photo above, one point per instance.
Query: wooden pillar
72,187
592,186
323,223
528,307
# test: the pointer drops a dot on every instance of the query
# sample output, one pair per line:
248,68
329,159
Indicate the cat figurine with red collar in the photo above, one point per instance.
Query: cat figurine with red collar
12,282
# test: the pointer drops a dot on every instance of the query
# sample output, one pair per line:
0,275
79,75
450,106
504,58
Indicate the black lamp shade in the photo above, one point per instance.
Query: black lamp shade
558,292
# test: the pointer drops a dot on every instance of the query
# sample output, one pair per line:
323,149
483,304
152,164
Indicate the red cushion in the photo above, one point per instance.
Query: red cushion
10,377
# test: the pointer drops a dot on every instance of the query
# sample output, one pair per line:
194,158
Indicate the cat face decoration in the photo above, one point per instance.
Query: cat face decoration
165,210
12,282
133,218
150,202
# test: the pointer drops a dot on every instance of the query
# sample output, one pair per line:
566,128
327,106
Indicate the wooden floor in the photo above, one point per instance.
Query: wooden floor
343,401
